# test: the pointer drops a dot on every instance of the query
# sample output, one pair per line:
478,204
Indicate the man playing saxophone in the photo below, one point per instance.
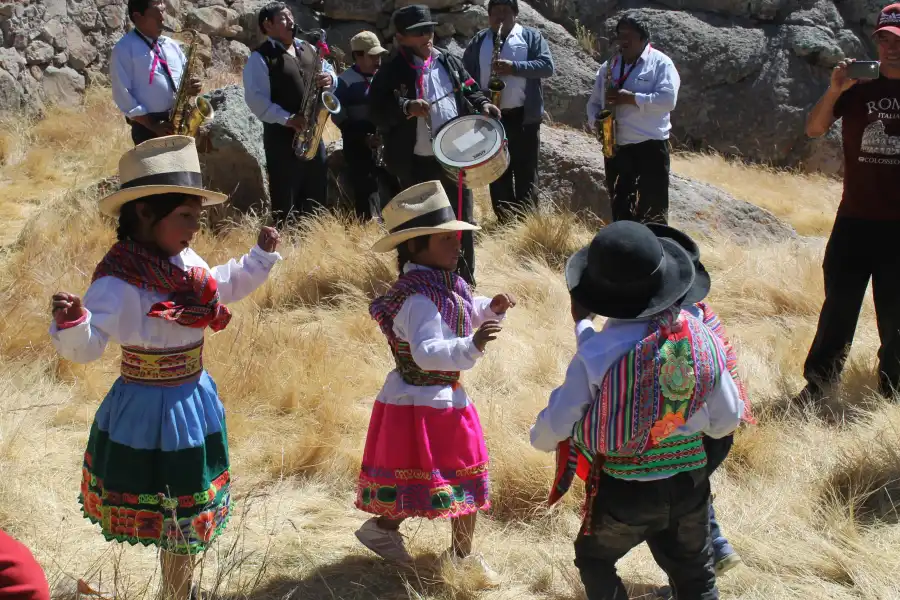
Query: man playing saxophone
519,61
641,89
276,79
145,70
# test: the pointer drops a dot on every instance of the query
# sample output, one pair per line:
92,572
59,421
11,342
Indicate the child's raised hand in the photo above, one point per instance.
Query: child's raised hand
502,302
66,307
268,239
486,333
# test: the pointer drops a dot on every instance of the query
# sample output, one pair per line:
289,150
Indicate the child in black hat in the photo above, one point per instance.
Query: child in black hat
637,399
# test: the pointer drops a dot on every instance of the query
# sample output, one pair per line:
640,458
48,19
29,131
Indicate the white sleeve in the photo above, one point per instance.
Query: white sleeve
258,93
721,414
122,84
481,311
420,323
567,405
238,279
665,93
598,98
112,306
584,330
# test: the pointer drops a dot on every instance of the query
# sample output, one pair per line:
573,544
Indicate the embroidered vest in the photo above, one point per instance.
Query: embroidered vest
450,293
711,320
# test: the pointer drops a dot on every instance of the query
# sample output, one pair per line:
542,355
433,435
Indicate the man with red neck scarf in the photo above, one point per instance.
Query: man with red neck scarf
416,68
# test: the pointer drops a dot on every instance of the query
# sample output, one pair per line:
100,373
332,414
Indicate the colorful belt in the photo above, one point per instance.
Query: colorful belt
162,366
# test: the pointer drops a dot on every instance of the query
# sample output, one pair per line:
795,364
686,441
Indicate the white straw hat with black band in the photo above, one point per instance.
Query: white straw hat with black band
422,209
164,165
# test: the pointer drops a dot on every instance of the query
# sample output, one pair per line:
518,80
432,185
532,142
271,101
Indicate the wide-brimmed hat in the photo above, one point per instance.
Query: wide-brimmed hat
164,165
702,282
628,273
413,17
422,209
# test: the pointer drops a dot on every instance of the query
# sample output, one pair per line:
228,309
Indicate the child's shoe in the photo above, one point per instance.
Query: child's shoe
475,563
386,543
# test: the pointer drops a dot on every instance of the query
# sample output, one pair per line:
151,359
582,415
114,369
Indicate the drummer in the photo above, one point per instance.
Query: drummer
416,91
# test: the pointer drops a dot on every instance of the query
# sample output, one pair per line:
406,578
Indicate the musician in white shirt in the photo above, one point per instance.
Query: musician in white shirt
145,70
644,90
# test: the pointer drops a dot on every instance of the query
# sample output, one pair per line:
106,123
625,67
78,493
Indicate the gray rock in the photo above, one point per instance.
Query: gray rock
11,61
208,3
467,22
84,14
214,21
54,33
60,59
54,9
81,52
113,16
239,53
63,87
6,11
824,154
39,53
10,93
353,10
231,151
445,30
567,92
816,44
572,174
432,4
32,91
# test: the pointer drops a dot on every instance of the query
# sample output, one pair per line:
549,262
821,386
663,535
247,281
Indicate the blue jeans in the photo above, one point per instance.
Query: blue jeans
721,547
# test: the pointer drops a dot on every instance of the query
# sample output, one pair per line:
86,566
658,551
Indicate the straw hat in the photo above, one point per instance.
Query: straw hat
422,209
163,165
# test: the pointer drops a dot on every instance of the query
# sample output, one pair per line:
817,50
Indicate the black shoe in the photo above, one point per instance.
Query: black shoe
811,394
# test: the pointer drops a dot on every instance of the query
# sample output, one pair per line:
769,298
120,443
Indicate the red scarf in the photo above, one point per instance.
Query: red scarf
195,295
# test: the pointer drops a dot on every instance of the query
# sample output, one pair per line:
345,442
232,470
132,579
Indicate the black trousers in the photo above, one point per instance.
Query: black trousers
296,187
637,178
516,190
427,168
671,515
858,250
139,133
372,187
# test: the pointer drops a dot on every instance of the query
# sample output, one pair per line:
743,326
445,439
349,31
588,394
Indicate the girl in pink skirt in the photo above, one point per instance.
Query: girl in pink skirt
425,454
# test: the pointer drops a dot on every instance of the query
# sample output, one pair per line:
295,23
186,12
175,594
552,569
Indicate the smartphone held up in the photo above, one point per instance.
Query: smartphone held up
863,69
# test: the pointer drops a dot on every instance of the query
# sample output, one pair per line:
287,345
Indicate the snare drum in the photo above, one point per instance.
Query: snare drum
475,145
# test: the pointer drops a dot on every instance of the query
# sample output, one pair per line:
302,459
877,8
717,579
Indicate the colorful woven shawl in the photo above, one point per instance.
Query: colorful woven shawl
449,292
645,396
711,320
195,296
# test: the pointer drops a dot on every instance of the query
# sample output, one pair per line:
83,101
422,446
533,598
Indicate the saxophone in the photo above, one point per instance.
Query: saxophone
187,116
495,84
316,108
606,120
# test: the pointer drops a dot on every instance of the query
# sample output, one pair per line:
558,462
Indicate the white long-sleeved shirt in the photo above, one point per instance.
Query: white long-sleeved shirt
655,83
514,49
434,347
130,74
437,85
258,90
117,311
596,352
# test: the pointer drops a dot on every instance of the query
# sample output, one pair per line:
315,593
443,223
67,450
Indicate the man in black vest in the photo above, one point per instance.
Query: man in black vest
403,116
275,80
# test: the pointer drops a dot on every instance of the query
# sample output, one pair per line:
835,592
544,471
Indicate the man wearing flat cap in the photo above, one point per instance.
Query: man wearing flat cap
357,129
417,91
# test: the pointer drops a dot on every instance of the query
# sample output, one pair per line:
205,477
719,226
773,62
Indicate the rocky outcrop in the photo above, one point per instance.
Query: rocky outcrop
572,176
750,70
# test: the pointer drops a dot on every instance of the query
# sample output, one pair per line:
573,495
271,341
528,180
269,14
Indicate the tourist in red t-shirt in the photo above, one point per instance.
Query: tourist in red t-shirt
863,242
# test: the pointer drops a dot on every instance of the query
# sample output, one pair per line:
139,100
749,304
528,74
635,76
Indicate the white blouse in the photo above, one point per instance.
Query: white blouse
118,310
434,347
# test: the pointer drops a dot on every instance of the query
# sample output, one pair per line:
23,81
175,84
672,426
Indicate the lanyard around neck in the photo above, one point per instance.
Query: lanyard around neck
623,76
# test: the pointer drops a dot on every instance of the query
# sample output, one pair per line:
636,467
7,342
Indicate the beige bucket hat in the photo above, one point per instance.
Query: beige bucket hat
422,209
162,165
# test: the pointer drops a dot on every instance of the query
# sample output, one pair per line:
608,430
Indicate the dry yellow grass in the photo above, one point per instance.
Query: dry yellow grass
805,498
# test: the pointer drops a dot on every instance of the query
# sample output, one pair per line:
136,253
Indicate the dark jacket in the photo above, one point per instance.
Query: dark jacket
539,65
387,102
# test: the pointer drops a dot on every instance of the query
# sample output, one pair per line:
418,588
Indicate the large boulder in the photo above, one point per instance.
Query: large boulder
215,21
354,10
572,176
750,70
63,87
231,151
567,92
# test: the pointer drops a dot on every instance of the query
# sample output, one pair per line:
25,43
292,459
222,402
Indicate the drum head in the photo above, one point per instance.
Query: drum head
468,140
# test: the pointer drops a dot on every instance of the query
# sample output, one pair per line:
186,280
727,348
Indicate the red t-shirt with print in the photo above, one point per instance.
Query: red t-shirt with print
871,134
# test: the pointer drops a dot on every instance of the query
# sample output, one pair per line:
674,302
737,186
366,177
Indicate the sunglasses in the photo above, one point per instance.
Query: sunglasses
418,31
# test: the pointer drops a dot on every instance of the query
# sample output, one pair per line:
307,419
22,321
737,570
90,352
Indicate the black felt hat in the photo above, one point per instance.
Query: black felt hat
702,282
627,272
413,17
